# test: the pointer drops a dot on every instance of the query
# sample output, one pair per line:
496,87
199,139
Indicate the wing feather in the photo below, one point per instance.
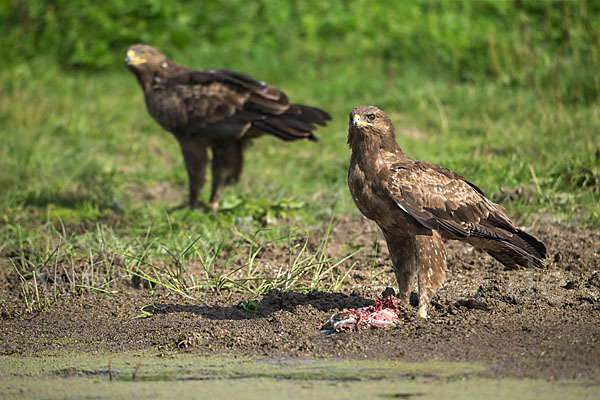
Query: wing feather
226,104
436,197
442,200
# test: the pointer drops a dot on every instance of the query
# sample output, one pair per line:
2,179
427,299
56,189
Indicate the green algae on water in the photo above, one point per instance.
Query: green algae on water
194,376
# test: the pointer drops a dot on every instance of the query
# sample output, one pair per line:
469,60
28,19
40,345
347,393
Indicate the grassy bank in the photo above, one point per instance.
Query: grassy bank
87,175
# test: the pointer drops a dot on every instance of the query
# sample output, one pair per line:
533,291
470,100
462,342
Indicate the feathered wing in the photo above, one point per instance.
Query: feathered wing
442,200
226,104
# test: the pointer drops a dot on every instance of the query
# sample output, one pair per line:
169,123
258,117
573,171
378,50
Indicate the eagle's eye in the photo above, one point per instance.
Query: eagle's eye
145,54
371,117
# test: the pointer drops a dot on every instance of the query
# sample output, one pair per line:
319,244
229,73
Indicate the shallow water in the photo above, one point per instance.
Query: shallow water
193,376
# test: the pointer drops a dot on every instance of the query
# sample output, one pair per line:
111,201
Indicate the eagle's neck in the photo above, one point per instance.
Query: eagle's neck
371,156
149,77
369,147
169,68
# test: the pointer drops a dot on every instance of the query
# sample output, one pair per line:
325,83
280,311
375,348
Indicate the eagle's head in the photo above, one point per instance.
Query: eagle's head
147,63
143,56
370,124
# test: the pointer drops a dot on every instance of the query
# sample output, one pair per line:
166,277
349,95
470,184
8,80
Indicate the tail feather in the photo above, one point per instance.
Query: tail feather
282,131
534,246
312,114
297,122
511,256
519,249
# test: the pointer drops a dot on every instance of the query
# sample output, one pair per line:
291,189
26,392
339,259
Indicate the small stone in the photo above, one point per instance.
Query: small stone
571,285
557,257
388,292
594,279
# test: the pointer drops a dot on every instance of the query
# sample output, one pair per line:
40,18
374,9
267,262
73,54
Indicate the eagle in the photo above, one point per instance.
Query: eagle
416,204
217,109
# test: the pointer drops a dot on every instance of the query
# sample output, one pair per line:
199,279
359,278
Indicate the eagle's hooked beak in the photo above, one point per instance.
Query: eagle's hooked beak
132,59
358,123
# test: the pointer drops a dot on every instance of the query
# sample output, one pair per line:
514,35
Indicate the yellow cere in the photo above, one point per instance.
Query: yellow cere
358,122
134,59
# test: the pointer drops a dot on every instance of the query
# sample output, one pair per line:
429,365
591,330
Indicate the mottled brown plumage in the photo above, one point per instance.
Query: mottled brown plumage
417,204
219,109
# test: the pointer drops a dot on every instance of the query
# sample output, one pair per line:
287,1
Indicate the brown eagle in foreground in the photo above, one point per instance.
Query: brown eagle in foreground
219,109
417,204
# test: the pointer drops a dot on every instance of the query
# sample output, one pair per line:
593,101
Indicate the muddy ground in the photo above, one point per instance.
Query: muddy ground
521,323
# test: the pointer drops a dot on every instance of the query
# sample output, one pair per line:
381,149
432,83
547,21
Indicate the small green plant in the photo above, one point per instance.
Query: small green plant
250,306
146,312
304,270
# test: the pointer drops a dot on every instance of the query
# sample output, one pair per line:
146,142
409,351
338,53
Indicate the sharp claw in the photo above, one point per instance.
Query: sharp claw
423,314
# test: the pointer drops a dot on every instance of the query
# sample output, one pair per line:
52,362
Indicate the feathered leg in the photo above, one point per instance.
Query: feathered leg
403,261
196,158
430,259
227,162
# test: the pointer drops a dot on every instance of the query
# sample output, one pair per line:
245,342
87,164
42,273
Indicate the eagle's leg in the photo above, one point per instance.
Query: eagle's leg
227,160
196,157
403,262
430,258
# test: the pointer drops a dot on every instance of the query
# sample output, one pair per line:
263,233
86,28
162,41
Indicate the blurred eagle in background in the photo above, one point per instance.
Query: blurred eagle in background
219,109
417,204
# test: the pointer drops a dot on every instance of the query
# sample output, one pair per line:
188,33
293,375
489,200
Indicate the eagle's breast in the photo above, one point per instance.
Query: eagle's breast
367,181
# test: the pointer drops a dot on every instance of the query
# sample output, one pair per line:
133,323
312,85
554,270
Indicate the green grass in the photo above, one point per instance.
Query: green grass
88,178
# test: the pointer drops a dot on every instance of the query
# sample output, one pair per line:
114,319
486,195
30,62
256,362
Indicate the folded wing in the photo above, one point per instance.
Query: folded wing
442,200
227,104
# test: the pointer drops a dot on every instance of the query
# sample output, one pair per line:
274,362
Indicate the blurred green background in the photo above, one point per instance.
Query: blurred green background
503,92
505,41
